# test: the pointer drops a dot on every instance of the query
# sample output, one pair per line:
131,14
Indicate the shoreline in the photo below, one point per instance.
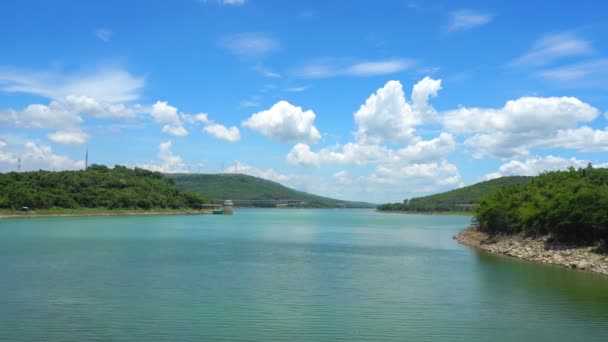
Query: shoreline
537,249
442,213
94,212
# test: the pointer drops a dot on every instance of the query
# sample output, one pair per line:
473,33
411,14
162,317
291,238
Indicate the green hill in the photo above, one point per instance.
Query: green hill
247,190
571,206
97,187
461,200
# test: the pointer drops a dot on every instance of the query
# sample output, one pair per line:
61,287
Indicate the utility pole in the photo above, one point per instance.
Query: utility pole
86,159
19,164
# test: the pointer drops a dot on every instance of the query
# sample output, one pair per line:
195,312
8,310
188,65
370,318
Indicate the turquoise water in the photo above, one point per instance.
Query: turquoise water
276,275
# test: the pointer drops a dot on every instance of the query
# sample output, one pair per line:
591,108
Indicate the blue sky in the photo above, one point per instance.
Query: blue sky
361,100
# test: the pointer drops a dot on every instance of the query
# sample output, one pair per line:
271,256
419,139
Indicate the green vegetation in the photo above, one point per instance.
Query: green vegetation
97,187
247,190
459,200
570,205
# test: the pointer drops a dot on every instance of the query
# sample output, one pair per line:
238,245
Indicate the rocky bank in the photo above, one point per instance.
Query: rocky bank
540,249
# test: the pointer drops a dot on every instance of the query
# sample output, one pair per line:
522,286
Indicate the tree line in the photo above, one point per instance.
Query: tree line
96,187
570,205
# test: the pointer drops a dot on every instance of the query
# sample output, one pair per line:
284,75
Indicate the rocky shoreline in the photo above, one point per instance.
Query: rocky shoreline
539,249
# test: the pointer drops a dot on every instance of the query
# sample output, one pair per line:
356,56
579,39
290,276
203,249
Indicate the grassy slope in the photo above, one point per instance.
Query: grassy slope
458,199
472,194
244,187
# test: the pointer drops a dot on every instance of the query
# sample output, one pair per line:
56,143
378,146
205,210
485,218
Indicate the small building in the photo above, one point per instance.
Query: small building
228,207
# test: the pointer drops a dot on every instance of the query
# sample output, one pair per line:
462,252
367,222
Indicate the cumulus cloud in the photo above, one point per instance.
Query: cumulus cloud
422,92
467,19
524,114
269,174
165,114
110,84
356,153
71,137
55,115
90,106
249,44
36,157
285,122
535,165
523,124
167,161
231,134
387,115
550,48
425,177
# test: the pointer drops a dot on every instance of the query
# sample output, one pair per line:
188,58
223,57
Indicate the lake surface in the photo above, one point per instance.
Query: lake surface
276,275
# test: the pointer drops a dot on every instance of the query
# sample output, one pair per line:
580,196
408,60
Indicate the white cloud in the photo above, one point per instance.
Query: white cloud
35,157
104,34
231,134
386,115
233,2
467,19
526,114
65,116
92,107
163,113
249,44
363,154
552,47
70,137
382,67
427,151
535,165
178,131
329,67
55,115
422,91
266,72
168,162
414,179
249,103
522,124
226,2
269,174
588,73
110,84
296,89
285,122
585,139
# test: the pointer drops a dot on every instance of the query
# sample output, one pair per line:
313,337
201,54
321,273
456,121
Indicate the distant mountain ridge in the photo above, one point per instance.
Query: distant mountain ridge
248,190
460,200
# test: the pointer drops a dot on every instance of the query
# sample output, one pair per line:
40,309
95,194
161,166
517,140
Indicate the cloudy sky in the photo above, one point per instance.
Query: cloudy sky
363,100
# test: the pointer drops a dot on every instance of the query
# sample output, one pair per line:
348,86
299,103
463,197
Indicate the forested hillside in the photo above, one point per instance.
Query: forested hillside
253,191
97,187
461,200
570,205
